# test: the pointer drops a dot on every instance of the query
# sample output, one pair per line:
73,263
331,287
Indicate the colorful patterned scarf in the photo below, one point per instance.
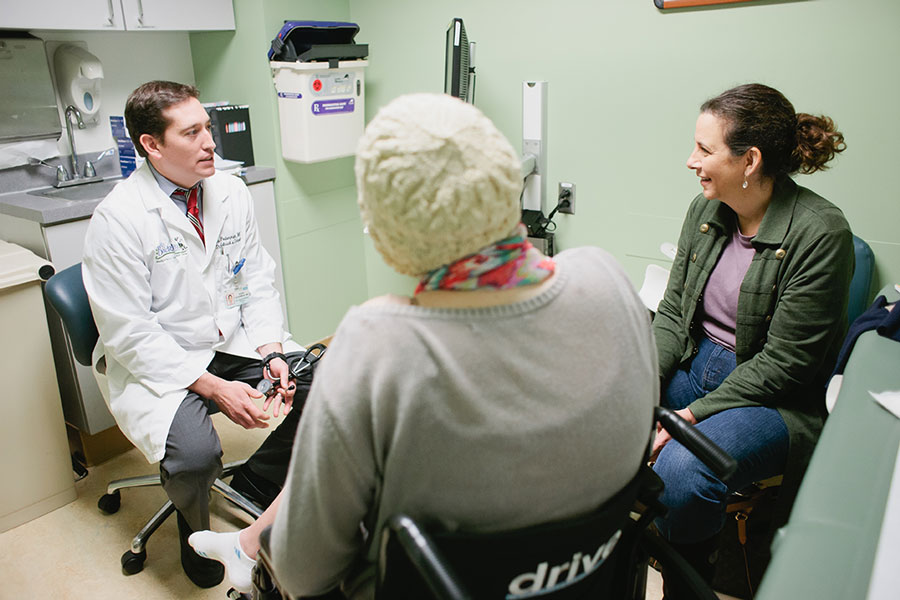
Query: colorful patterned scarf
505,264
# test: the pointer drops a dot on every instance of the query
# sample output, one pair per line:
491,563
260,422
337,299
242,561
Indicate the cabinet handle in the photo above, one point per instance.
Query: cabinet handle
112,15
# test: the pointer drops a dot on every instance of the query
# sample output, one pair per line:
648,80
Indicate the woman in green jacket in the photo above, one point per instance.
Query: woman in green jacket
755,309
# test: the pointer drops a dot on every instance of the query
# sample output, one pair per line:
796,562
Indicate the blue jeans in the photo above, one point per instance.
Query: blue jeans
755,436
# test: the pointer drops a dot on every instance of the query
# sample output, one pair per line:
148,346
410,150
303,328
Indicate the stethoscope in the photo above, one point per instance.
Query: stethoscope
300,367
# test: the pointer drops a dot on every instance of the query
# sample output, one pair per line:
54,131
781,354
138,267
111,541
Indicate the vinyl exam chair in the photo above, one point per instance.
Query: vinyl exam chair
65,291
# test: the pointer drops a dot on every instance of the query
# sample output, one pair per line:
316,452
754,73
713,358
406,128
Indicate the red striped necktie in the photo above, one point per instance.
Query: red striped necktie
193,210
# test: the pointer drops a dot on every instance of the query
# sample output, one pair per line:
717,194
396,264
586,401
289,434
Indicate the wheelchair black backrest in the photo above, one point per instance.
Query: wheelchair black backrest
590,556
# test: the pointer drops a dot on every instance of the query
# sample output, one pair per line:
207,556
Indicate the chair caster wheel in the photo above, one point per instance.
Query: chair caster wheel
110,503
133,563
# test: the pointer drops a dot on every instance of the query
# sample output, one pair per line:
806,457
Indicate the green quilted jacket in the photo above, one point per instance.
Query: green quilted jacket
792,310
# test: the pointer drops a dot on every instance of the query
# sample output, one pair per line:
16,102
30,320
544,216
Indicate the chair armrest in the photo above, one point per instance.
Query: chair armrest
721,463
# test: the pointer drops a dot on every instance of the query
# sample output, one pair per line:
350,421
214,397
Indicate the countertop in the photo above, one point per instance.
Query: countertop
51,211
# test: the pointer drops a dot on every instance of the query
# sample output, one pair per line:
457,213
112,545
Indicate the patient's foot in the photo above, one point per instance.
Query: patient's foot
226,548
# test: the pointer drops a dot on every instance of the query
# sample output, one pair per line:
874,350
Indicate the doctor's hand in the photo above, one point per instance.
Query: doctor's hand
234,398
284,389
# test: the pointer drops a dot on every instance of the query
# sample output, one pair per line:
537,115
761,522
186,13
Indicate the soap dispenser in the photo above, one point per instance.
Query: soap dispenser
78,77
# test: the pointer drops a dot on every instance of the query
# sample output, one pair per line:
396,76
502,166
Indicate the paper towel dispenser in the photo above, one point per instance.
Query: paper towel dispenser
27,101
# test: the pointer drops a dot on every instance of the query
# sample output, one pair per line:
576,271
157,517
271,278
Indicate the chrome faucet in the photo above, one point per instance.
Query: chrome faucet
71,110
63,177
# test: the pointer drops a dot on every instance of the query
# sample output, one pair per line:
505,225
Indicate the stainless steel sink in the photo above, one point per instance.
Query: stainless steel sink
88,191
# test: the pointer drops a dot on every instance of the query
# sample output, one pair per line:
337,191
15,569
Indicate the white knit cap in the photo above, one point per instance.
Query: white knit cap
436,182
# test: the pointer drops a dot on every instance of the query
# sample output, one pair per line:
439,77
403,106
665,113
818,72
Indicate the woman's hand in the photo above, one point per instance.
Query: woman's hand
687,415
663,437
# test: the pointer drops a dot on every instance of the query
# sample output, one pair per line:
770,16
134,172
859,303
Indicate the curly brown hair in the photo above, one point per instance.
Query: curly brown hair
757,115
144,109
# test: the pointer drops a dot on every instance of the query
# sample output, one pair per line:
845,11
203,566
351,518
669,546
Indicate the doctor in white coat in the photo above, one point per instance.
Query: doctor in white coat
182,293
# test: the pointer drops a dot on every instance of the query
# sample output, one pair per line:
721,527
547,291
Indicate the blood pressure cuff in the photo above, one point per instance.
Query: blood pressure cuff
307,41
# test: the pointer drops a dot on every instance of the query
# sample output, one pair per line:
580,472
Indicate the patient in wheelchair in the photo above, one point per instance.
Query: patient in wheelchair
509,389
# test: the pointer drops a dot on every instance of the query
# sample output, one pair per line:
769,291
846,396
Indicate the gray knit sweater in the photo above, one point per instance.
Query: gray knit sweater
484,419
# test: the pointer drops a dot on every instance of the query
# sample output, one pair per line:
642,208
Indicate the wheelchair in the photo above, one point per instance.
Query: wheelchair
602,554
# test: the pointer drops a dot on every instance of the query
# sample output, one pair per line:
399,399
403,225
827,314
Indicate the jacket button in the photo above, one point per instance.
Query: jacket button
768,318
704,228
695,351
779,254
694,257
774,286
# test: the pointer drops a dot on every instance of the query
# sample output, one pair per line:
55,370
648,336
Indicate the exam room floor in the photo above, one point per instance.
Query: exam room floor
73,552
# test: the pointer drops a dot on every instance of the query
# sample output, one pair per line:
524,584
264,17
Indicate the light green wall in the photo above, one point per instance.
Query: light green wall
625,82
319,227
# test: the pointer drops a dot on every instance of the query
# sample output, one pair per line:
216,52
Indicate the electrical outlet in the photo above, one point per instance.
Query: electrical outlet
566,192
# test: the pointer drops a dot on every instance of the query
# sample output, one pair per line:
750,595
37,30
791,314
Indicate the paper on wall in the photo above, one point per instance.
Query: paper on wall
890,400
15,154
226,165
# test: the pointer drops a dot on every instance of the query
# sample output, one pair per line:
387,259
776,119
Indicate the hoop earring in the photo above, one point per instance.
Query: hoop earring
744,185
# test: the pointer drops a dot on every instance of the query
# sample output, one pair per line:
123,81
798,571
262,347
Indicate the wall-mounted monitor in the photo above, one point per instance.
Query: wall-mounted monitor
459,70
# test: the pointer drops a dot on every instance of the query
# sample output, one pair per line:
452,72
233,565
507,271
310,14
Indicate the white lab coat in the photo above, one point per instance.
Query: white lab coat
158,296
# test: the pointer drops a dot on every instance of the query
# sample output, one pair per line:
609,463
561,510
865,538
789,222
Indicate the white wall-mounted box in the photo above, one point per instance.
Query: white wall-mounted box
321,109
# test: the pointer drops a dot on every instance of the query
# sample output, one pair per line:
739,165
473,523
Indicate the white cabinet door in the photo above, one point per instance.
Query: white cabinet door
62,14
133,15
178,15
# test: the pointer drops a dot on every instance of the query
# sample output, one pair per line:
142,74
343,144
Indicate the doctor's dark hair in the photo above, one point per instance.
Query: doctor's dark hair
758,115
144,109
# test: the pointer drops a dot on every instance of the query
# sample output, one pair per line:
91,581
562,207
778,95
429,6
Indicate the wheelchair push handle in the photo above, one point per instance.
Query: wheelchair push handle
721,463
426,558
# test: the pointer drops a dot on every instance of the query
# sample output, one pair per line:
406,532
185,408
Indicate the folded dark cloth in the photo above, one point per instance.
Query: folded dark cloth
885,322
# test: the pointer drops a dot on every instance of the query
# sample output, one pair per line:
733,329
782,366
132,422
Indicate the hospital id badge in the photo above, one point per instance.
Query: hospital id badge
236,294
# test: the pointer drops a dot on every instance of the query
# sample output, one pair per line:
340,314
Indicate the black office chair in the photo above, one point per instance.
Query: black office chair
599,555
65,291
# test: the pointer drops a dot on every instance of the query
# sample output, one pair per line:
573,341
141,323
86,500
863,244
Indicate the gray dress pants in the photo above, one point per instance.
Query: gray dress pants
193,458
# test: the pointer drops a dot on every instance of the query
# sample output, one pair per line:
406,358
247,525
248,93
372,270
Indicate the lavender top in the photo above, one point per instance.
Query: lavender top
720,298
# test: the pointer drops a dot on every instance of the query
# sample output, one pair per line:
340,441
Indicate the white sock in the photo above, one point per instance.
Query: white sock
226,548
